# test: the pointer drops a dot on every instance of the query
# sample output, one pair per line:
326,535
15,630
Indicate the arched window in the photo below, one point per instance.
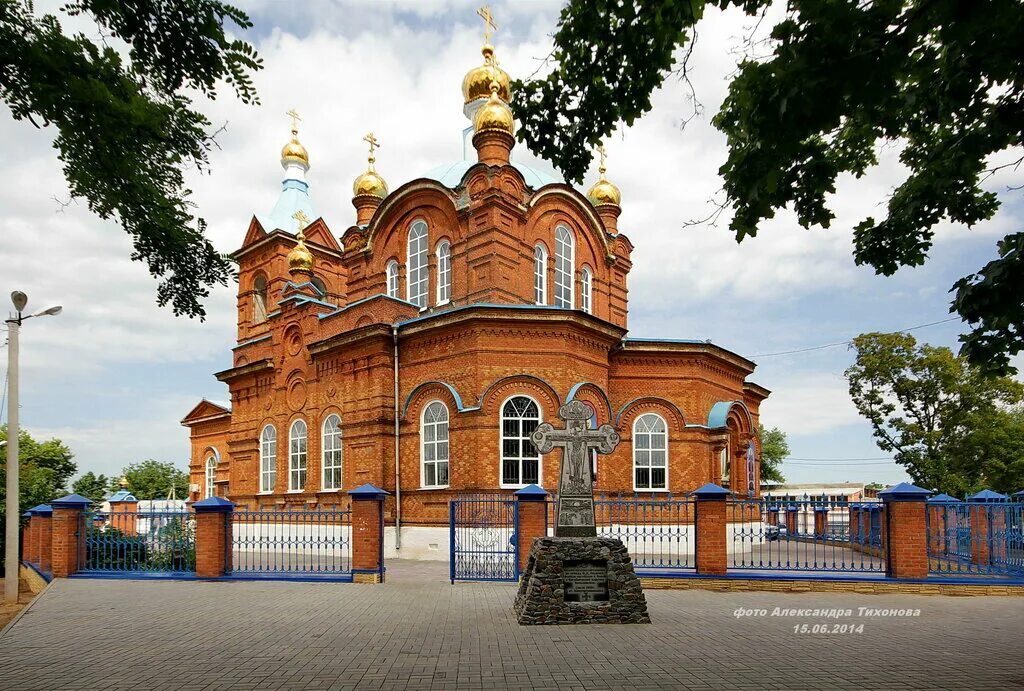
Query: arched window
416,267
520,461
211,472
392,272
650,452
540,275
320,286
330,453
297,457
268,459
586,288
259,299
444,273
565,267
434,445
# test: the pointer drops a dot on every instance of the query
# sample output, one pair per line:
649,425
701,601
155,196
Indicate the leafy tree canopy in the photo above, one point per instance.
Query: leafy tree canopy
95,487
152,479
774,448
125,130
952,427
44,469
837,79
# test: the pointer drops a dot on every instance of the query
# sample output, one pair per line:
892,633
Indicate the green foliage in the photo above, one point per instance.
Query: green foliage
152,479
949,423
93,486
44,469
774,448
837,80
126,131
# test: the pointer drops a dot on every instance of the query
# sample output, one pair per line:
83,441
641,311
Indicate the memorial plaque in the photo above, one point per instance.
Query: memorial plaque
585,581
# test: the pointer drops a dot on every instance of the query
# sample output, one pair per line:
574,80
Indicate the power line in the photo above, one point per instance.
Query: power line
866,458
842,343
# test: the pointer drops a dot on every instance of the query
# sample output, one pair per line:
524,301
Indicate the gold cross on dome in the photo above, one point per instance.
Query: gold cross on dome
371,139
302,218
295,119
601,152
489,26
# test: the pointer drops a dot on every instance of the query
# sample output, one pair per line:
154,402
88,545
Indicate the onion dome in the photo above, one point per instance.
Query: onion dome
604,192
477,82
370,183
495,115
300,258
293,150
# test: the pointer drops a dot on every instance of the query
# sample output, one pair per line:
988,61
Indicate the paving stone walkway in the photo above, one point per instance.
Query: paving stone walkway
419,632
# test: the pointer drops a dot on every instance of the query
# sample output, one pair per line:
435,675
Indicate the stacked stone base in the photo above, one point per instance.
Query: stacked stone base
542,592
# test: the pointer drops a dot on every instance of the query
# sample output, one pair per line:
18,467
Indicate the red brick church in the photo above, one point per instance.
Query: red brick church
419,350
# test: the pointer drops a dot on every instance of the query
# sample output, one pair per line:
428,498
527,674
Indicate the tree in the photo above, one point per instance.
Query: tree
93,486
836,80
126,131
774,448
152,479
44,469
948,422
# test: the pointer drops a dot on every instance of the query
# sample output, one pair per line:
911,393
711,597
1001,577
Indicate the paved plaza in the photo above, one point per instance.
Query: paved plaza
418,631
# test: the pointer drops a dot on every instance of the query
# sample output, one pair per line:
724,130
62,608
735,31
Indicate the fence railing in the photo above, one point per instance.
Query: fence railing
139,542
659,533
808,535
300,544
484,538
967,538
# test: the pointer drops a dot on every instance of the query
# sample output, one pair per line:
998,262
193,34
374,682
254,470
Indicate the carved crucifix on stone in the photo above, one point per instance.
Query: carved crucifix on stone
575,514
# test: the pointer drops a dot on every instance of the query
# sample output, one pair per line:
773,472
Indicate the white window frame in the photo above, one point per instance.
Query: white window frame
298,456
565,267
331,454
540,275
648,450
392,278
522,439
444,272
210,474
417,273
440,447
268,459
586,290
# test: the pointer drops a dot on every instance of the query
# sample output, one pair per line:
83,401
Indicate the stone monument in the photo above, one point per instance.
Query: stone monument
576,577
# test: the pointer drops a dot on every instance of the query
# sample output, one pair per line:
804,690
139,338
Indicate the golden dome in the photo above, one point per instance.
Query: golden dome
477,82
300,258
495,115
370,183
604,192
293,150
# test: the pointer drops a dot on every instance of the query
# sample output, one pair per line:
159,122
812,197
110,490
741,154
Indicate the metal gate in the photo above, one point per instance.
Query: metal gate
133,544
484,539
301,545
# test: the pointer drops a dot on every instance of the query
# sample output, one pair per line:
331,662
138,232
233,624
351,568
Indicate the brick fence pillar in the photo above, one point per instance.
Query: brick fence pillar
368,534
67,534
26,529
792,514
820,521
533,520
986,525
904,521
710,529
42,516
123,515
213,537
771,515
30,552
939,509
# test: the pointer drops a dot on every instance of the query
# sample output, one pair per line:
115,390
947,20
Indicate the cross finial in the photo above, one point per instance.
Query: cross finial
371,139
489,26
295,120
601,152
302,218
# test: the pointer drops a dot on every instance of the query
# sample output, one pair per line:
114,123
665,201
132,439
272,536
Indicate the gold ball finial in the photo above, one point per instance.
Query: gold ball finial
604,192
293,150
370,183
477,82
123,482
495,115
300,259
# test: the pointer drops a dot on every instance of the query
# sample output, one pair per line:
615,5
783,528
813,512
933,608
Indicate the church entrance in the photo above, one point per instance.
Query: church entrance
484,538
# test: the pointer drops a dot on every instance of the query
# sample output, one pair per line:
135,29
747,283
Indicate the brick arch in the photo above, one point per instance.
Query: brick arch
572,206
430,391
495,395
387,233
591,393
649,404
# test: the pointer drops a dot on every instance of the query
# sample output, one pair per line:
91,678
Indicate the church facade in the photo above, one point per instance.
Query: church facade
419,350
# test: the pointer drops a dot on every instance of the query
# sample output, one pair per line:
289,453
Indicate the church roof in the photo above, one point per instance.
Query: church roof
294,198
451,174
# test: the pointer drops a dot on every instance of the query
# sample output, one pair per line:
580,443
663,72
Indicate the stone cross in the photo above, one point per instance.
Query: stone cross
575,514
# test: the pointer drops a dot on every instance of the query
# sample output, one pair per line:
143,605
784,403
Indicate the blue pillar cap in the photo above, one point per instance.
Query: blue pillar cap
942,498
214,505
711,491
1019,496
27,514
41,510
987,495
367,491
821,509
904,492
72,501
531,493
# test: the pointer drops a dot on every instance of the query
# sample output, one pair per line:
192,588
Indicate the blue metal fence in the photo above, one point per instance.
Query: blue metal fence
658,532
135,543
808,535
292,544
484,538
975,539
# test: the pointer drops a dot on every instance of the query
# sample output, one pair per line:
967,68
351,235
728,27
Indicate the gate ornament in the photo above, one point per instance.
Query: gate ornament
575,514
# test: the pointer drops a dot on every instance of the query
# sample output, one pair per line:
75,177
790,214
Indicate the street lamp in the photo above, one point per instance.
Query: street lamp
20,300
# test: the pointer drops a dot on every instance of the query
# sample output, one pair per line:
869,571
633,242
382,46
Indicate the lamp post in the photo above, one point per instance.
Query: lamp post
11,565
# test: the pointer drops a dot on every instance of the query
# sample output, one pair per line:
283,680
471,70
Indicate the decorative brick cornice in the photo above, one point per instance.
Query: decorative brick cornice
234,373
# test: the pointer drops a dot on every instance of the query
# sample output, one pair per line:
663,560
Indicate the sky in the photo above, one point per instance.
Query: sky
113,375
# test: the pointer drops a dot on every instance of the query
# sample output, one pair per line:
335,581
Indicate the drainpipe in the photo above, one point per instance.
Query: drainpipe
398,475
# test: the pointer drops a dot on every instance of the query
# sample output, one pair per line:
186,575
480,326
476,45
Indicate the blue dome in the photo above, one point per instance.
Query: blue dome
450,174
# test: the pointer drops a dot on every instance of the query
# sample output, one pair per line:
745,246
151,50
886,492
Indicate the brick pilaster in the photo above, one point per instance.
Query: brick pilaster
904,522
368,534
820,521
31,549
67,534
43,517
533,520
710,529
984,524
213,537
792,514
